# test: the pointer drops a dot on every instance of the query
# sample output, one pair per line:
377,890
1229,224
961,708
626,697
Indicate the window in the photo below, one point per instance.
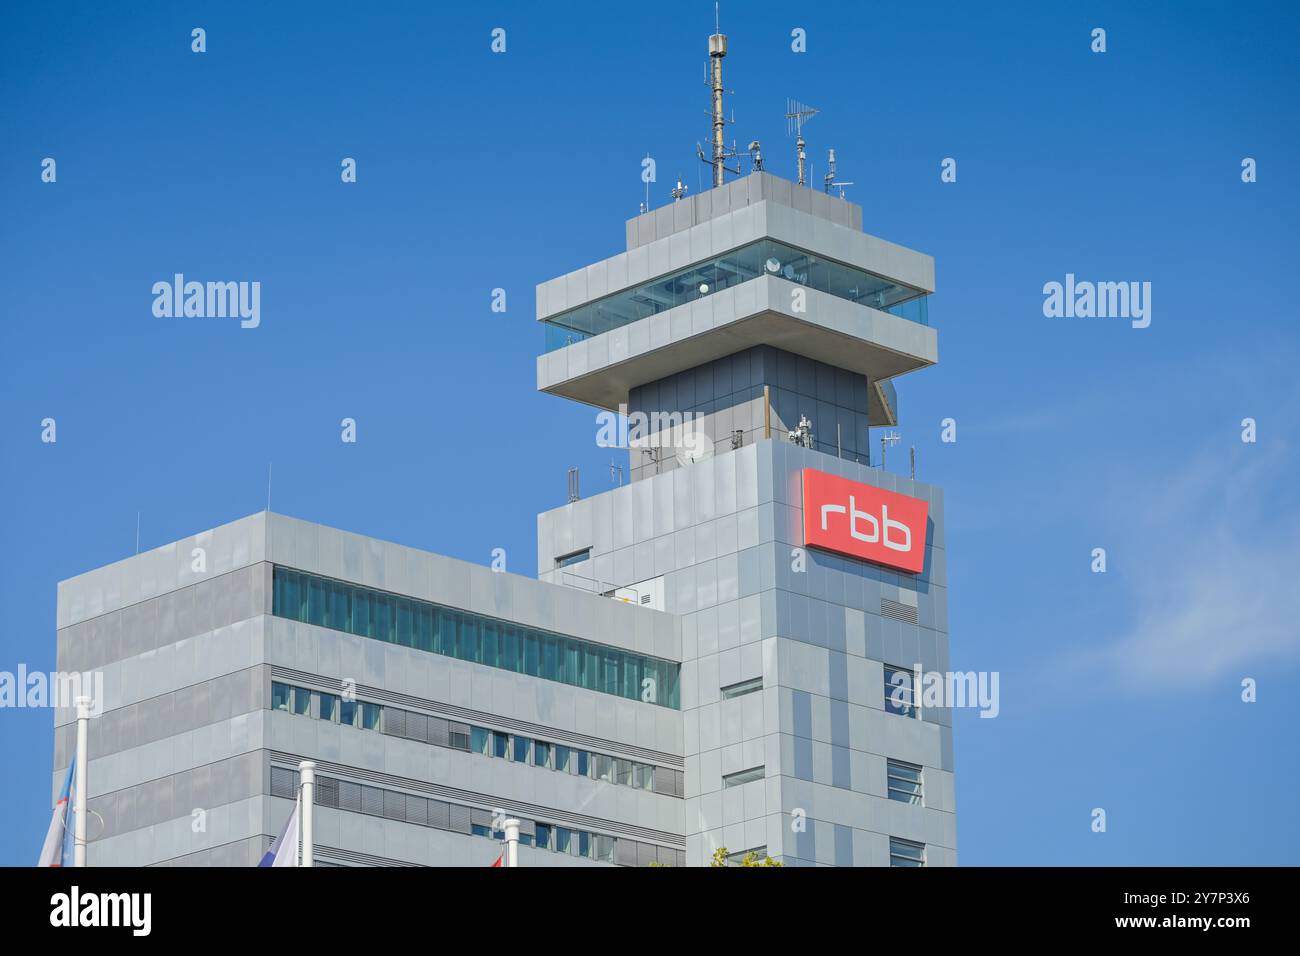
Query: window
623,772
899,695
478,739
743,688
370,716
301,701
906,853
643,776
519,752
584,764
500,744
584,843
543,836
329,707
562,758
280,696
349,710
743,777
735,859
493,643
905,783
563,840
577,557
541,754
478,829
604,768
458,737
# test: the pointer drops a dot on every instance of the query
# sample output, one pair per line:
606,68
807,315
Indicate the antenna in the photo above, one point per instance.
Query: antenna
720,153
890,438
680,191
756,156
829,178
796,114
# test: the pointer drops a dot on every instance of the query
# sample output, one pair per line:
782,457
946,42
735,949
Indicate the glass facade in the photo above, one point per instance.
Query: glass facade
394,619
765,257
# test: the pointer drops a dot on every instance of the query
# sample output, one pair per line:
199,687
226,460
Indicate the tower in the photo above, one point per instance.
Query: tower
751,335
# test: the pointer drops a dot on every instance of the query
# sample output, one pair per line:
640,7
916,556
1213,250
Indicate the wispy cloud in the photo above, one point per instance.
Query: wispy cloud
1211,556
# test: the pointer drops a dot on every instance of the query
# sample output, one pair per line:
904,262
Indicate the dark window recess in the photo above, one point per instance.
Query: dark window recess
284,783
742,688
395,722
576,557
458,736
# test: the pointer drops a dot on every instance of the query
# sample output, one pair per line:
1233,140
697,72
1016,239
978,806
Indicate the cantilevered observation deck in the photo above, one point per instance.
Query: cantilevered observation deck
757,262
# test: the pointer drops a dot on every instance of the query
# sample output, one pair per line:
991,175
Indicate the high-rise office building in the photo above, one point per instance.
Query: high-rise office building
720,652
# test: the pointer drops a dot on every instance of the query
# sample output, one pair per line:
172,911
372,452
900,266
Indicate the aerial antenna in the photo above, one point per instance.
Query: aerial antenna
889,438
679,192
829,178
756,156
796,114
720,152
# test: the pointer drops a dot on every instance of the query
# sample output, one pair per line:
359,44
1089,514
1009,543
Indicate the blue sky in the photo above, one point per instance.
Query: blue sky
478,171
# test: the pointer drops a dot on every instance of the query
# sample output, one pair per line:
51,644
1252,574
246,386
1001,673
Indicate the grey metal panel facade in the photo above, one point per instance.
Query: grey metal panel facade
183,753
721,532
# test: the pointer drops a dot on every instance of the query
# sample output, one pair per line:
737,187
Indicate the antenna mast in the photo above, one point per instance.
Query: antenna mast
719,152
796,114
718,50
829,180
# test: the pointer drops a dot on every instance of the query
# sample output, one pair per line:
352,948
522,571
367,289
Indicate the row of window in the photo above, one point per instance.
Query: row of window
905,781
429,627
765,257
458,818
322,706
473,739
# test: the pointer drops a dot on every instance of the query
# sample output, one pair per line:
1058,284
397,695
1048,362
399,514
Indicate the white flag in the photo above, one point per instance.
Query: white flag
284,851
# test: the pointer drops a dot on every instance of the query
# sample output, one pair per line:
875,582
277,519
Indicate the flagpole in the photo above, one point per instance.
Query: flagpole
308,771
79,795
512,842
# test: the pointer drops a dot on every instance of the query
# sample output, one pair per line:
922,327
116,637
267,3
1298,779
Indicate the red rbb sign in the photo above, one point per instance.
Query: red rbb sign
863,521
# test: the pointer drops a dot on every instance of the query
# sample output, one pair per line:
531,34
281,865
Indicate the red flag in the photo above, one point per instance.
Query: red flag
499,860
